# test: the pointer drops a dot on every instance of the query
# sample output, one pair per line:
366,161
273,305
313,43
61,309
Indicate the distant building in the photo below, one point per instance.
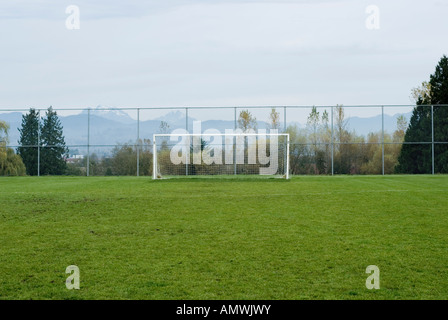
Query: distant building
72,158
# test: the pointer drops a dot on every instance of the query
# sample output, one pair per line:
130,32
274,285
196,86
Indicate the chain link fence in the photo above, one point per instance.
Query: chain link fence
324,140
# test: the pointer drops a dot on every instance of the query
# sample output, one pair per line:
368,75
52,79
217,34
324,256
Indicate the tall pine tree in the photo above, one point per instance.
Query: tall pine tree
439,95
28,141
53,149
417,158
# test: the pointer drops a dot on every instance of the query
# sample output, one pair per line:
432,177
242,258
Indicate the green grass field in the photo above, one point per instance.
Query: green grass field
307,238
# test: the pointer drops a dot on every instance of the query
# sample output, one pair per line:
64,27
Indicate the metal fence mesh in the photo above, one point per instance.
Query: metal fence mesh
118,141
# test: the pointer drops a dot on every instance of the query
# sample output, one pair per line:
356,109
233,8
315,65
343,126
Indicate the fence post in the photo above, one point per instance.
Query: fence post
154,158
138,142
285,147
234,144
432,138
88,142
38,144
287,156
382,139
284,120
187,159
332,143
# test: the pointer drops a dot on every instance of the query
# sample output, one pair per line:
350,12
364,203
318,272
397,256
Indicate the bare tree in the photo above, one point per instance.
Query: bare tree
247,121
422,94
342,163
402,125
164,127
274,119
4,127
313,122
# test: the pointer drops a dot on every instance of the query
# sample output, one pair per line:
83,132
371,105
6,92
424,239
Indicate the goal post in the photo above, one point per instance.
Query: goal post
214,153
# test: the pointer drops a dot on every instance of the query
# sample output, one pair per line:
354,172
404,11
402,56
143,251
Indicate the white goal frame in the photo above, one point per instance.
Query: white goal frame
169,135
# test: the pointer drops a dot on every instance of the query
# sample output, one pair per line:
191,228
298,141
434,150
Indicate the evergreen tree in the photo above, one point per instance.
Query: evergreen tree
417,158
54,150
439,95
28,141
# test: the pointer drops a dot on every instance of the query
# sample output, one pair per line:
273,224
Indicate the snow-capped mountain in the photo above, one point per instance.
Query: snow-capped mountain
175,118
111,114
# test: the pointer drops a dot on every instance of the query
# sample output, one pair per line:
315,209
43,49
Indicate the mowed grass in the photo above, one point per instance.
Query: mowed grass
307,238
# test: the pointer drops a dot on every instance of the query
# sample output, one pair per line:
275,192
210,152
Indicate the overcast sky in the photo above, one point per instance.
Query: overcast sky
137,53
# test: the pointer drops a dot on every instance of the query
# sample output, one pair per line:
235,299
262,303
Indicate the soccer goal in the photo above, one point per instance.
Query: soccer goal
186,154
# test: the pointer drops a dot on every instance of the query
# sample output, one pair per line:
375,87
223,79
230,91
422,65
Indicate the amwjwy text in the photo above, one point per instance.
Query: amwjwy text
237,309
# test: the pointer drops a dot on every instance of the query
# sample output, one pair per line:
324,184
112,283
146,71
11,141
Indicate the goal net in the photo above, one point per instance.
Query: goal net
186,154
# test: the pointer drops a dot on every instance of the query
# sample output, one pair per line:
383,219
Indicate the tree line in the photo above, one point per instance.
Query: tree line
315,149
42,149
122,162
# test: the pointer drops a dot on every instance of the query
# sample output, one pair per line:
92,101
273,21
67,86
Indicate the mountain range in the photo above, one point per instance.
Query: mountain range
111,126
